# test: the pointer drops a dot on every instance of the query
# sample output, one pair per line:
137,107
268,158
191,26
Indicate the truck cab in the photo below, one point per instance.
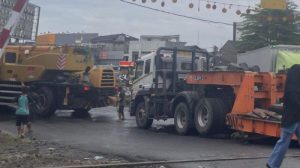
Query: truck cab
163,74
13,69
146,68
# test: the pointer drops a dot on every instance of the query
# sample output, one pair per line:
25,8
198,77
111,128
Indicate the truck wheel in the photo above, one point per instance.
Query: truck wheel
42,102
141,116
183,119
224,109
210,116
81,113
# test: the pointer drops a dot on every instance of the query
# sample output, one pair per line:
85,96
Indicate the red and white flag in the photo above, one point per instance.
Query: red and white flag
12,23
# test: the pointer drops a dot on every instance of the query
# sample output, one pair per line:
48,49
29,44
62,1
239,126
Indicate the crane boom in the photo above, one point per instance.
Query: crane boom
11,24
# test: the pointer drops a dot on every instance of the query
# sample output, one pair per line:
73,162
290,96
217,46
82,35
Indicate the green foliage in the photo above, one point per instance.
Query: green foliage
264,27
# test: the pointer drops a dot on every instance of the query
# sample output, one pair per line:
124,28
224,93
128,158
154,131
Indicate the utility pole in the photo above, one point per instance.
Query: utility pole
234,31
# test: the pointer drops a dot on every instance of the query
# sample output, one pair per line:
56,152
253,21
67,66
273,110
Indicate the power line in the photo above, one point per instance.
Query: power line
176,14
229,4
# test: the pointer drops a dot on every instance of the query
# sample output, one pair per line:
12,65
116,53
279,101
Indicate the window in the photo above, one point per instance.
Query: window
81,51
147,66
139,69
125,58
165,63
10,57
188,66
145,53
135,55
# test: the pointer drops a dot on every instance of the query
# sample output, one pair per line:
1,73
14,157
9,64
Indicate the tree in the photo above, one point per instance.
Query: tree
267,27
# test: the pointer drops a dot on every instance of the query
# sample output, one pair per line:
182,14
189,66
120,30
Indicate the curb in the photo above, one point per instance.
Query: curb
8,133
15,136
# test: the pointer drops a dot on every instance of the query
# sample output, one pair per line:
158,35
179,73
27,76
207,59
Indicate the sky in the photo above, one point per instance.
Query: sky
107,17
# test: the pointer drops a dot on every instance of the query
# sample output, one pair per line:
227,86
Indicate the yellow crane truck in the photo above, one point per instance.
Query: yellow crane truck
54,75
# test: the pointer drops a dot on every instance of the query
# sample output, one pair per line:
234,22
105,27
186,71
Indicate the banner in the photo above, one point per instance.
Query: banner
274,4
286,59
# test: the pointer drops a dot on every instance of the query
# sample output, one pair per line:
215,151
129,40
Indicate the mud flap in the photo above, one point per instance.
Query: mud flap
147,103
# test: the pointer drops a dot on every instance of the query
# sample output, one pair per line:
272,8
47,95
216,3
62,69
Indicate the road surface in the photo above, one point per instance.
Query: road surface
105,134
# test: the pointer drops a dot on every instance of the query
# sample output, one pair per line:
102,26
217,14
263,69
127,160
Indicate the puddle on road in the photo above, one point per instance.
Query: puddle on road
63,113
163,129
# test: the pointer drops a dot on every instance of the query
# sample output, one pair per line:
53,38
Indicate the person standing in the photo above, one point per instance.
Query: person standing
121,103
22,113
86,75
290,117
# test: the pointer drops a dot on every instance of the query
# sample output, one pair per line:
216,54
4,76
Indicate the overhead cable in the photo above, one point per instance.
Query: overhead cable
176,14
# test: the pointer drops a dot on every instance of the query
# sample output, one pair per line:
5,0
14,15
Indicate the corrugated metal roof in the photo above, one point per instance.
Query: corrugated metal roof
114,38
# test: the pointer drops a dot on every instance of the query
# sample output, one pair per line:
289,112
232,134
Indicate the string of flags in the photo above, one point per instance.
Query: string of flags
211,5
225,7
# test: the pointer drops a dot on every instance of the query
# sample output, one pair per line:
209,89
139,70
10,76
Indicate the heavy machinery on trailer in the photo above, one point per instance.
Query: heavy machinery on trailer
52,73
210,101
271,58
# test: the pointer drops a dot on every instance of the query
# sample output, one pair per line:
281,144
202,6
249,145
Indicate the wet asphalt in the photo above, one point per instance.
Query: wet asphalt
104,133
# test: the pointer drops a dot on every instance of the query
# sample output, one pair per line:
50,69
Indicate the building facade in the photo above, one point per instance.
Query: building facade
150,43
111,49
229,51
27,28
69,39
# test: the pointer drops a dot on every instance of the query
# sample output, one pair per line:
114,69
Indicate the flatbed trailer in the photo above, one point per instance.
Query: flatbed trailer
210,101
252,90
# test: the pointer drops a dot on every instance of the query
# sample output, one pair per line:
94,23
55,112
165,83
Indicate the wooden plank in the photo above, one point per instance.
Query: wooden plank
252,115
261,114
268,113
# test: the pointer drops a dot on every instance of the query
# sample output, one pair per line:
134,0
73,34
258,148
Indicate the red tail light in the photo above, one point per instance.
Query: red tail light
86,88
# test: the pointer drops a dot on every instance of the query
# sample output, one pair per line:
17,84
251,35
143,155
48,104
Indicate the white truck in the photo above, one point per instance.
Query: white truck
271,58
161,83
145,67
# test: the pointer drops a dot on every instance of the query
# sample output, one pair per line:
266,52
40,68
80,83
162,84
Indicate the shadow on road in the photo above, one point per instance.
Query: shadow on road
6,113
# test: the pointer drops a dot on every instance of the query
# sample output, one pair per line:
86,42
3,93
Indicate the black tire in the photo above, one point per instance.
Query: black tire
142,116
42,102
183,119
210,116
223,111
81,113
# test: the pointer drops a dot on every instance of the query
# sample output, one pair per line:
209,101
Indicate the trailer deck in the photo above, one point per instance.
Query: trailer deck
252,91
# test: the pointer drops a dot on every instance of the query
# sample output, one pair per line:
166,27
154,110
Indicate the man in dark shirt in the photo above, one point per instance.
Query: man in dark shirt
86,75
121,103
290,118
